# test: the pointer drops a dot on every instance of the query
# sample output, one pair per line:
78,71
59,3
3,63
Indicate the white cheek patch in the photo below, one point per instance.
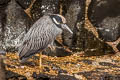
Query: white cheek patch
55,21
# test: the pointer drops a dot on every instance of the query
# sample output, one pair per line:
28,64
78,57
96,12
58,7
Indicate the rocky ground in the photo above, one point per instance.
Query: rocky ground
74,67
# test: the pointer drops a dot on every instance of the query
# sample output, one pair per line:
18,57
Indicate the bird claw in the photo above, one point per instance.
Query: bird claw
52,47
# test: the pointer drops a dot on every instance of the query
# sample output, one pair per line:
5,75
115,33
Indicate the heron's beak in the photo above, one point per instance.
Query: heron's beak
64,26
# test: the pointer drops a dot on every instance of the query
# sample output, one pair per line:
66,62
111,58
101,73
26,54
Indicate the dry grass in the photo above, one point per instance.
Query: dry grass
73,64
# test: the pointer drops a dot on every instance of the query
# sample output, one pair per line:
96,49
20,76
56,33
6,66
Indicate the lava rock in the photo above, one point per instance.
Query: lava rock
108,64
65,77
74,12
14,25
14,76
4,2
105,16
91,45
40,76
2,21
110,77
24,3
99,75
44,7
82,39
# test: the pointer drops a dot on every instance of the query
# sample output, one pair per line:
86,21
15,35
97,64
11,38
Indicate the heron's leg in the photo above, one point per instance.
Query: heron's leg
40,60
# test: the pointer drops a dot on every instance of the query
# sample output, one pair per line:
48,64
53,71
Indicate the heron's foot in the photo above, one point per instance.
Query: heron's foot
52,47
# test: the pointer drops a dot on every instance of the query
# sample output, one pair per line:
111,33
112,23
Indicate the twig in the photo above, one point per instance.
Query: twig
29,9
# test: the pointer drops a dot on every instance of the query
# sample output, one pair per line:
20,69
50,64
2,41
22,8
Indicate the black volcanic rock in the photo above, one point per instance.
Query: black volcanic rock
105,16
24,3
14,23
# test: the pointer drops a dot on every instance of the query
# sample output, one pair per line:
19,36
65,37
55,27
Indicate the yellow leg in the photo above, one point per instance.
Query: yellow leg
40,60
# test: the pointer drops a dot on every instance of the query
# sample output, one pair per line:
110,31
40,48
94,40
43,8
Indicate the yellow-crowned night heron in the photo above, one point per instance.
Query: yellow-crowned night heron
41,35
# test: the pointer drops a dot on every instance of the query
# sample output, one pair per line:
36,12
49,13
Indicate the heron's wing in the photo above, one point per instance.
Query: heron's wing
29,48
35,40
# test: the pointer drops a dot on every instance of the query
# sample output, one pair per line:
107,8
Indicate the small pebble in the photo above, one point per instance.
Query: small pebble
61,71
28,74
46,69
34,75
80,77
22,66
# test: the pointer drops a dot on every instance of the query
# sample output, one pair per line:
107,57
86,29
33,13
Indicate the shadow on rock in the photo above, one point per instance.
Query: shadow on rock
87,61
51,77
97,75
14,76
59,52
109,64
93,46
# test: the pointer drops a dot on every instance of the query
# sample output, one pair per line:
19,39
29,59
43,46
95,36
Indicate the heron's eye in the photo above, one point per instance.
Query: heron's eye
56,19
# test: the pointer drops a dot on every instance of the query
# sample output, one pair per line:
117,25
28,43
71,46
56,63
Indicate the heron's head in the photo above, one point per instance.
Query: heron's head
60,21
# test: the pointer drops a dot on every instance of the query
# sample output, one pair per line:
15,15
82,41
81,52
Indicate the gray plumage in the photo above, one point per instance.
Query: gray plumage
41,34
